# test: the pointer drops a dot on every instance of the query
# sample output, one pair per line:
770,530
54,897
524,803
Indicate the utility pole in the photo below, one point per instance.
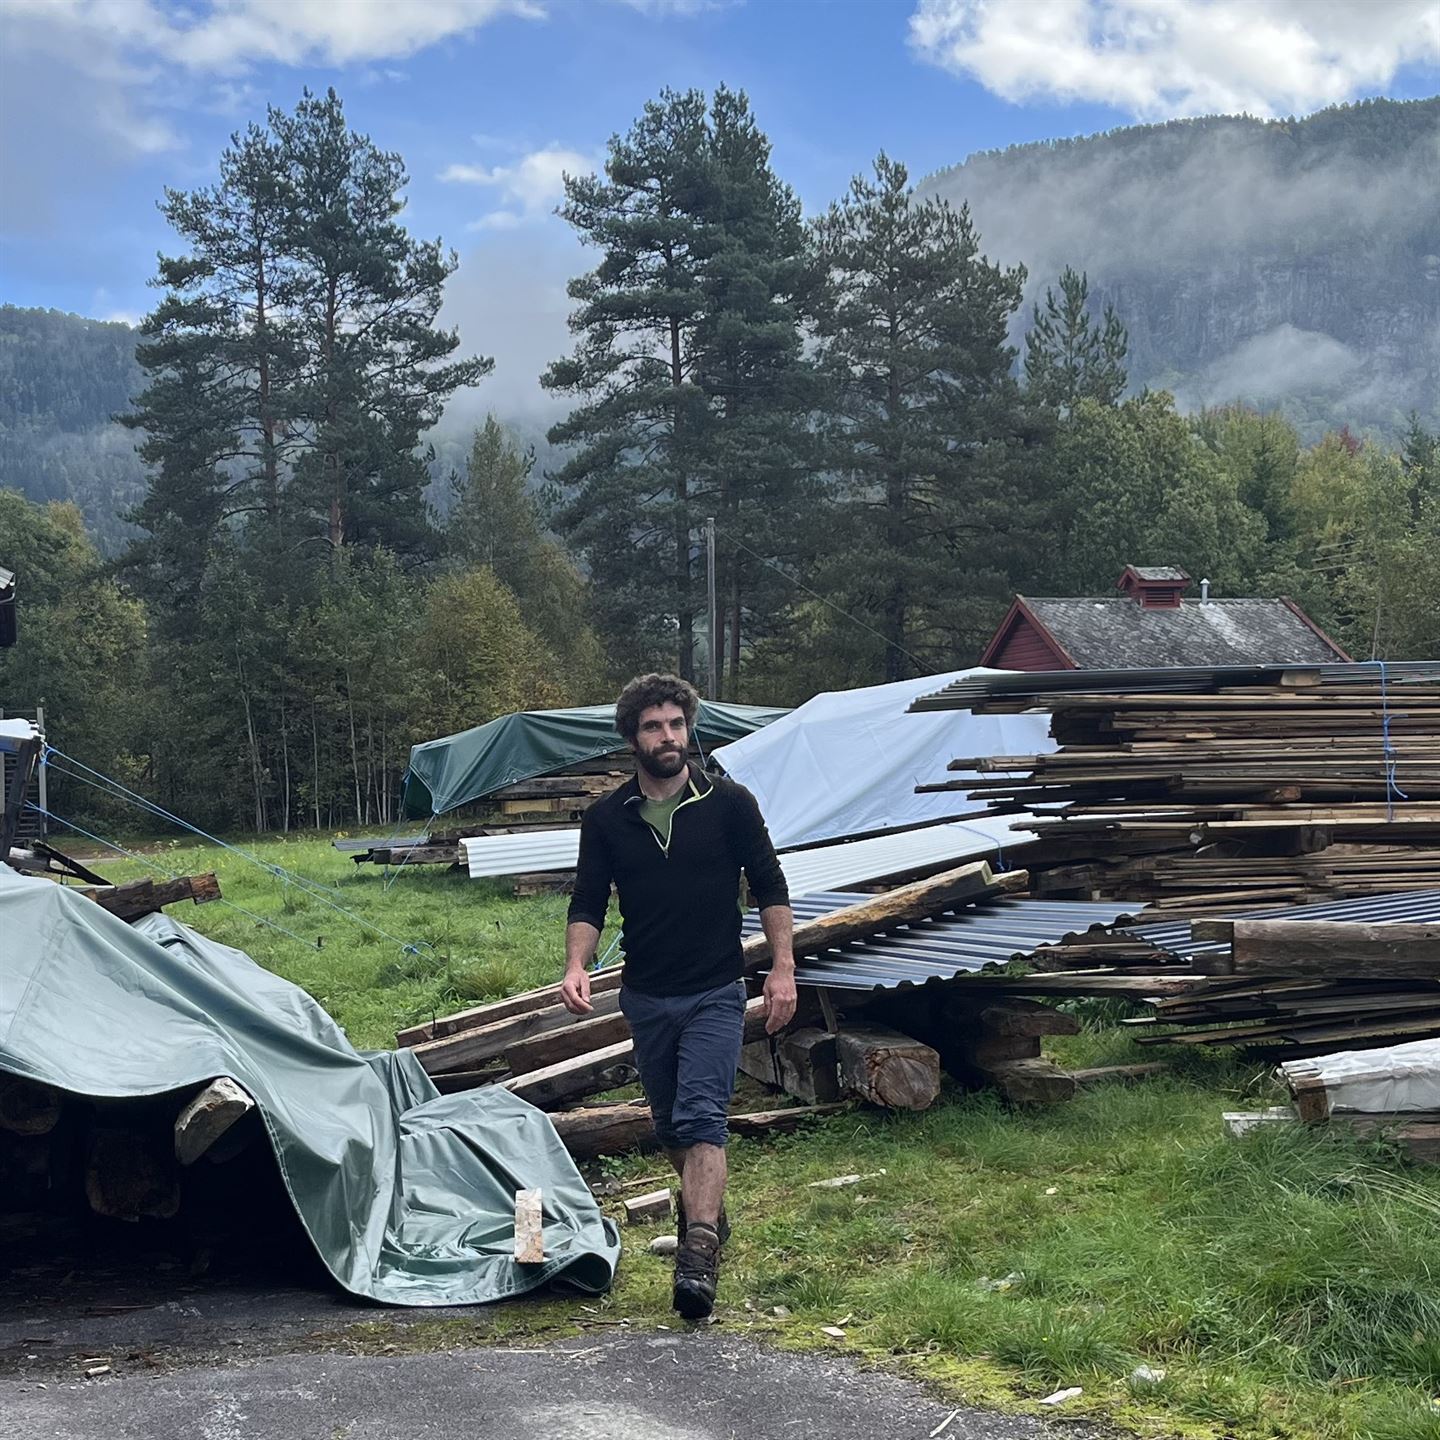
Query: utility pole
714,646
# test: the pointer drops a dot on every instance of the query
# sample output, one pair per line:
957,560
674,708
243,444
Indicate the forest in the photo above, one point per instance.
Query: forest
893,432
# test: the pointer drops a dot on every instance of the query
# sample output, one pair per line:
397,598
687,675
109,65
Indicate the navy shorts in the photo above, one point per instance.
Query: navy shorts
687,1049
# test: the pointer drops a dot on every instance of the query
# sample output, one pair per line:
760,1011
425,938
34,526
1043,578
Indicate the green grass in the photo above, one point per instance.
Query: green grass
1288,1284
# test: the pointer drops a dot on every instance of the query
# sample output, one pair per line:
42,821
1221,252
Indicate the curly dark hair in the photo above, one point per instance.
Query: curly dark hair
647,690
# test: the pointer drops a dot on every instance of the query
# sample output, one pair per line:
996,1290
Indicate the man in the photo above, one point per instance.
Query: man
674,841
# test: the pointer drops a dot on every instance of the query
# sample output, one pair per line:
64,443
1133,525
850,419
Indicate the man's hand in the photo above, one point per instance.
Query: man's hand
575,992
779,995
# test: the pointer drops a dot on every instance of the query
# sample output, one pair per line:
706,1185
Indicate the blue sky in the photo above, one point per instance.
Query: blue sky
106,102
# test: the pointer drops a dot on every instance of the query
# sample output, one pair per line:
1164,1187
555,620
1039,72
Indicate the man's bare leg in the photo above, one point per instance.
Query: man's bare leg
703,1184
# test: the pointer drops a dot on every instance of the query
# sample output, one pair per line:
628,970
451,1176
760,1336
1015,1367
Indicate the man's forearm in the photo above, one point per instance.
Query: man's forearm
778,923
581,938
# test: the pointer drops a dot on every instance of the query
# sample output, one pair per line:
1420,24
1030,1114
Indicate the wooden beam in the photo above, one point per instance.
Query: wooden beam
467,1049
645,1209
28,1107
529,1228
143,897
208,1116
1326,947
887,1068
594,1130
1033,1081
472,1019
801,1062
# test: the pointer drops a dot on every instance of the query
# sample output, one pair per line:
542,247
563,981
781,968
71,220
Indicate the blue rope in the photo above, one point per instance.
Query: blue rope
161,870
314,890
1391,788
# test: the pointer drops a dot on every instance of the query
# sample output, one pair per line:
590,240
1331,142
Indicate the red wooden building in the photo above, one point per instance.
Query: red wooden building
1151,623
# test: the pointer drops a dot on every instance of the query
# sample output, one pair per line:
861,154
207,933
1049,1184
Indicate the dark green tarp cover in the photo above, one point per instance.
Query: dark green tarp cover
408,1196
457,769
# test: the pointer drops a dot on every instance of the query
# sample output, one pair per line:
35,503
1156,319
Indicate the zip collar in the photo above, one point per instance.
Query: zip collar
696,794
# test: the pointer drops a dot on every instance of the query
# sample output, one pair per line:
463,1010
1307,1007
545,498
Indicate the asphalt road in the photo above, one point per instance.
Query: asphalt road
681,1386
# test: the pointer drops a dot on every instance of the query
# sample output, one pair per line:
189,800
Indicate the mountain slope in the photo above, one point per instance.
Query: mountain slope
1285,262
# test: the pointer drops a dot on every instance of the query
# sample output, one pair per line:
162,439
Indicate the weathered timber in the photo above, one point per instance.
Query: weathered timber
604,1069
887,1068
28,1107
468,1049
1026,1017
895,907
645,1209
589,1131
1420,1140
564,1041
208,1116
143,897
1124,1074
1033,1081
1326,947
131,1174
801,1062
472,1019
529,1228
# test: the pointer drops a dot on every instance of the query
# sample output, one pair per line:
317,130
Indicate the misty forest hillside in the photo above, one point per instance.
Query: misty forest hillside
1291,264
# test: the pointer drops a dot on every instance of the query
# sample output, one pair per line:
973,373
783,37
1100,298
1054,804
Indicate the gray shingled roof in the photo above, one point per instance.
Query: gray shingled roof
1120,634
1158,572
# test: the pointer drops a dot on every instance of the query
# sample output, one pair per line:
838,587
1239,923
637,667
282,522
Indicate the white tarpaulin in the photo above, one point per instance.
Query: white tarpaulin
847,762
1392,1080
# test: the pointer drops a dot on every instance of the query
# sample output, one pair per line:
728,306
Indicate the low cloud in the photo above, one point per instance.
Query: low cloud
529,187
1185,57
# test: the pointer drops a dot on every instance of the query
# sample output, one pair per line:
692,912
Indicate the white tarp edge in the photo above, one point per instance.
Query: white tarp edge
1375,1082
847,762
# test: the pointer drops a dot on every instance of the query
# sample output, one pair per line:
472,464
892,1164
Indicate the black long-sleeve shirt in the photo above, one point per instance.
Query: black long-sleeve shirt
679,904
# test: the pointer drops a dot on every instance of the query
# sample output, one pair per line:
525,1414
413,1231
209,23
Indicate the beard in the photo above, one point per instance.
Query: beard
662,764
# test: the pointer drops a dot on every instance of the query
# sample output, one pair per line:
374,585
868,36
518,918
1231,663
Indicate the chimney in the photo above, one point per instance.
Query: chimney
1204,591
1154,587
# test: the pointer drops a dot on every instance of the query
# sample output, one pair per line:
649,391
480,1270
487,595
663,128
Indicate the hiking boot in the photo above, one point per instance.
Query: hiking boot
722,1228
697,1265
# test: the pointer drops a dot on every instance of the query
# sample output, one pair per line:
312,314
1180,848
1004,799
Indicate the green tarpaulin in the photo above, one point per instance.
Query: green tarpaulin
408,1196
457,769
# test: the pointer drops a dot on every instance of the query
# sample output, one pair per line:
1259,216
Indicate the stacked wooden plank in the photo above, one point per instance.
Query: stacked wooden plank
1304,988
1301,785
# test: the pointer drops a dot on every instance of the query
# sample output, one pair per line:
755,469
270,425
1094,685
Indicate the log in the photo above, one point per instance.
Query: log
1031,1082
129,1175
1326,947
800,1062
645,1209
887,1068
143,897
468,1049
594,1032
1420,1141
208,1116
28,1107
529,1228
594,1130
896,907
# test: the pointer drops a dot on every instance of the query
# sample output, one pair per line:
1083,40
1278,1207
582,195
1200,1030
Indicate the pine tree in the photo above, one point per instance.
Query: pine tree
1067,356
913,348
688,372
494,520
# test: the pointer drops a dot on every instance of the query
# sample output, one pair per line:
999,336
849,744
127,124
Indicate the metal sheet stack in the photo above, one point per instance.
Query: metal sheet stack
1208,790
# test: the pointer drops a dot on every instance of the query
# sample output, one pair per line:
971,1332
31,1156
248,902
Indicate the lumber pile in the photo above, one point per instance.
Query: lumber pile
1290,787
534,1047
1299,987
141,897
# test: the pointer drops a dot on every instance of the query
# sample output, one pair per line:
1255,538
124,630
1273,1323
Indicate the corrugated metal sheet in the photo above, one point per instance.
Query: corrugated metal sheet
1414,907
828,867
937,949
858,862
530,852
1197,679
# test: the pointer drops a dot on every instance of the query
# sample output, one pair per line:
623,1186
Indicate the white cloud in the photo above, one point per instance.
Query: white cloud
530,187
1156,59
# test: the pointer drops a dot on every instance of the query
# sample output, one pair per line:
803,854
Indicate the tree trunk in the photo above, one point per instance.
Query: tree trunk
354,749
315,743
684,615
255,767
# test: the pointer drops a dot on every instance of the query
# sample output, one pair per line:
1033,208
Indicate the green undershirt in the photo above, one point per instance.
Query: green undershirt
658,814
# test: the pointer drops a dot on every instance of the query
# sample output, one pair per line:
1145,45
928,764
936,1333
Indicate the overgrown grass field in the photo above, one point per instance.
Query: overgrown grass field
1286,1285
